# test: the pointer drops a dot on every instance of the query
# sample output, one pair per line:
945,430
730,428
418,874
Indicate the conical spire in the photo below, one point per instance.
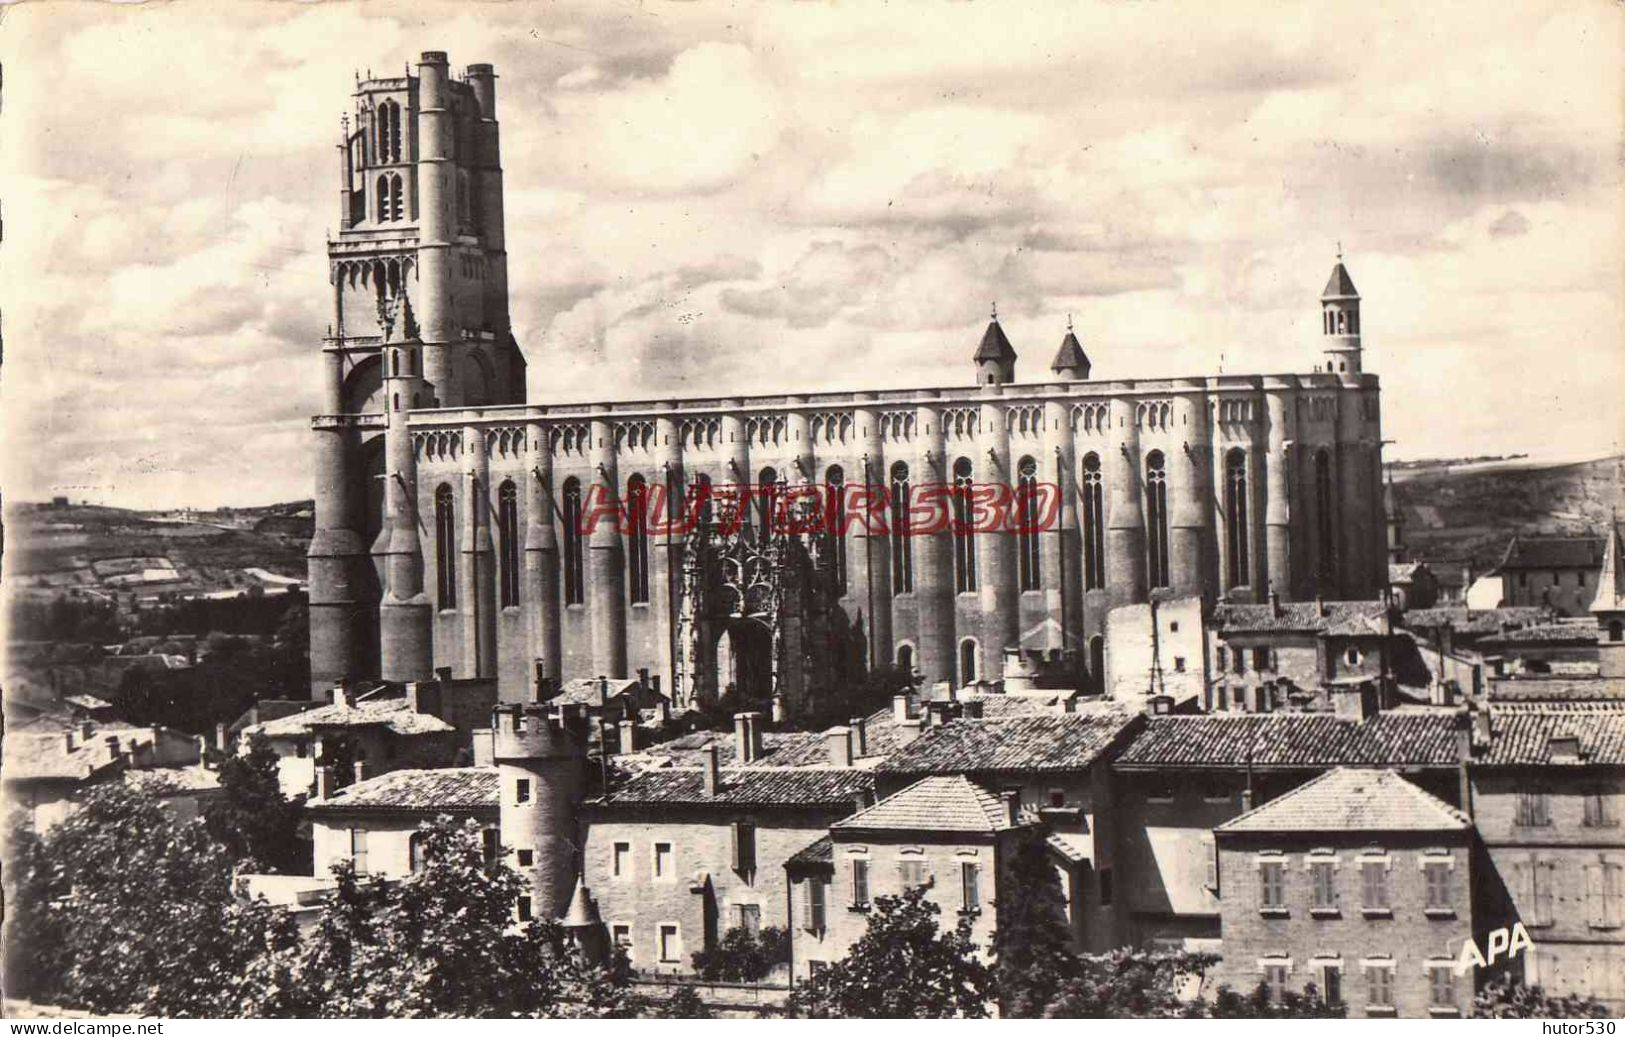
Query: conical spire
1070,359
995,347
1611,585
1340,285
583,910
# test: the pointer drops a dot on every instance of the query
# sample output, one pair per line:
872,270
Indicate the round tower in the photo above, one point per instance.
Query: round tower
541,767
1340,322
995,357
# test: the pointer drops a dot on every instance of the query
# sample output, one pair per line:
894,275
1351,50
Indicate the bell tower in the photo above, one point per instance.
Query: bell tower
1340,322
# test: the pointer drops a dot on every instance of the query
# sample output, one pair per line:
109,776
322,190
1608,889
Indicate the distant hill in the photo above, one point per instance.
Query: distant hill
1467,511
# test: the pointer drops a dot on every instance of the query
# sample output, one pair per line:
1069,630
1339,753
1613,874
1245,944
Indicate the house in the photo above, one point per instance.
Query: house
1413,585
1566,648
679,855
1289,655
945,832
45,771
375,822
1548,795
1558,572
1358,882
1182,776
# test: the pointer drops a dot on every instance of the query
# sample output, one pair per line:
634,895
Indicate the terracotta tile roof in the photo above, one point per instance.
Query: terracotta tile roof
1294,740
1043,743
584,691
395,714
1347,799
940,803
752,786
31,756
1521,736
1554,553
1475,621
820,853
444,788
1309,616
1069,845
1545,633
1503,691
779,749
1004,707
158,780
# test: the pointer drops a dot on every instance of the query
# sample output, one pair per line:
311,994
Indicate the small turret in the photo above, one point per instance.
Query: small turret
995,358
541,762
1340,321
1071,363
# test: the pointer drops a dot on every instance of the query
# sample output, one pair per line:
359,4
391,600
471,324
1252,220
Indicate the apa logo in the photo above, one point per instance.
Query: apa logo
1507,942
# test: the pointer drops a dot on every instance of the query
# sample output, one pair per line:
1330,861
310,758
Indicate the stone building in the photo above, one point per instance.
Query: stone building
375,823
459,525
1358,882
1557,572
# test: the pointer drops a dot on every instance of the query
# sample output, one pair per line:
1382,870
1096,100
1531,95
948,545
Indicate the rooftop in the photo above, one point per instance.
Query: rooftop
994,344
744,786
1538,552
940,803
1463,620
1584,633
395,714
1522,736
1040,743
445,788
584,691
820,852
1308,616
1293,741
1340,285
1347,799
1507,690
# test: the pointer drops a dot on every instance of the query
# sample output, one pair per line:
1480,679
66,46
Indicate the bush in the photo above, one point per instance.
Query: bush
741,957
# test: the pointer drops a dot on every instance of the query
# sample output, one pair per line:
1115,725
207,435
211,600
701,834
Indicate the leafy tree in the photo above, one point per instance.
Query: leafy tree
683,1003
127,909
1503,998
1032,950
904,966
742,956
1229,1004
253,819
1129,984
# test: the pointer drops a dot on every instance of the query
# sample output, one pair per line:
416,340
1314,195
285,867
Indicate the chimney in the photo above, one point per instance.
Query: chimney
361,770
442,674
753,732
1246,799
778,710
1320,605
86,729
899,708
654,684
423,698
1275,601
603,691
202,746
860,737
1353,701
643,677
629,736
220,737
1011,798
839,742
909,730
1481,727
713,773
538,684
324,782
741,738
67,740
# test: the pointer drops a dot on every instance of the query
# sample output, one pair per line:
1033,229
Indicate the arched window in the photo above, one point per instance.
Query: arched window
573,571
905,657
767,489
1235,509
382,196
637,539
1325,503
445,540
902,548
835,484
964,529
1028,563
508,543
396,206
389,132
1156,518
1094,525
967,662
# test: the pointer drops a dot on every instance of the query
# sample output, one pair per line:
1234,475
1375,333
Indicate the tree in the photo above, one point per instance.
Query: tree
1032,950
130,910
1503,998
253,819
742,956
904,966
1129,984
683,1003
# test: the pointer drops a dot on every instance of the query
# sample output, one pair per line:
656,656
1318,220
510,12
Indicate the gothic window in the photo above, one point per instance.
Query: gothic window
508,542
637,540
1235,508
1324,503
395,205
767,488
573,581
967,662
1156,518
835,483
389,132
964,529
902,548
1027,547
445,539
905,657
382,197
1094,525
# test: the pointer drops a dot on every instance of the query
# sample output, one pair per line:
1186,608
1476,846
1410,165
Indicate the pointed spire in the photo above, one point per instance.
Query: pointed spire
1611,584
994,345
1071,362
583,910
1340,285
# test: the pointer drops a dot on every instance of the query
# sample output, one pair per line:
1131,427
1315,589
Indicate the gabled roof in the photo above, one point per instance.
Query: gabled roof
1463,620
1304,616
395,714
940,803
1583,633
821,852
1041,743
584,691
1611,586
1537,552
1071,355
443,788
744,786
1340,285
994,345
31,756
1291,741
1521,736
1347,799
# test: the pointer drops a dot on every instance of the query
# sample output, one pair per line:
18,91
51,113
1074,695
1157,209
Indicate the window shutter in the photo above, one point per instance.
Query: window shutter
734,834
807,905
1595,909
1211,853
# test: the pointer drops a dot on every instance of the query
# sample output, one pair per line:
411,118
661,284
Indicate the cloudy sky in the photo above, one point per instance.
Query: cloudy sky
812,196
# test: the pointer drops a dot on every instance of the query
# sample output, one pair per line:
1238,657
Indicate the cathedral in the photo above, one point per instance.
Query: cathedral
462,527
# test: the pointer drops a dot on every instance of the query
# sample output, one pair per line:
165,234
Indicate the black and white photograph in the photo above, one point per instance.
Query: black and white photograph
1070,509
